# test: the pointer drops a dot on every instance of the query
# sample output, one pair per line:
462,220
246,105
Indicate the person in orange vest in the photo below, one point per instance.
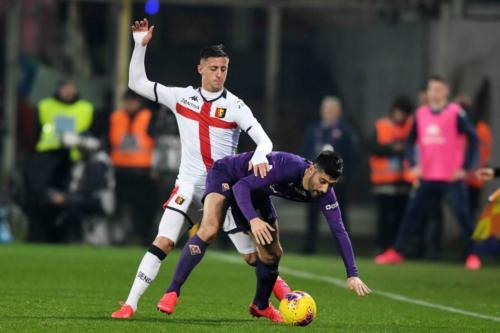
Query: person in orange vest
390,174
483,131
131,150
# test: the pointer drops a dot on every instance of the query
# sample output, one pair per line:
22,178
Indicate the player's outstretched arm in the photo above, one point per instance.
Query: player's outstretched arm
137,78
354,283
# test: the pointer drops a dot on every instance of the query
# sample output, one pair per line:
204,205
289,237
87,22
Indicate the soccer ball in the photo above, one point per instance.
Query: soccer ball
298,308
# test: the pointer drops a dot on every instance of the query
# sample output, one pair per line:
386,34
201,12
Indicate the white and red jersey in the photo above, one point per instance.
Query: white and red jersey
209,126
209,123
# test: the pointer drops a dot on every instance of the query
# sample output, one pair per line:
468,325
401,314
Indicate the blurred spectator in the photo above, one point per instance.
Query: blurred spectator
390,174
90,192
50,166
131,153
438,131
485,138
332,132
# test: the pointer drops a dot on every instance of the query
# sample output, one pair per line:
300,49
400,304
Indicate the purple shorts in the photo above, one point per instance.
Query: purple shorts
219,181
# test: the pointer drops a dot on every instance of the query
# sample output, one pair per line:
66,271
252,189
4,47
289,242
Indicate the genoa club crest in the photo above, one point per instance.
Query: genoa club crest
179,200
220,112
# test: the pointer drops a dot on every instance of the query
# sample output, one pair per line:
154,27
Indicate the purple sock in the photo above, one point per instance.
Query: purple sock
191,255
266,278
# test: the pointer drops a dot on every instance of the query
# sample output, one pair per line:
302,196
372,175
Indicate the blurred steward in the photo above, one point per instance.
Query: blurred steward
50,165
443,164
131,148
331,132
391,176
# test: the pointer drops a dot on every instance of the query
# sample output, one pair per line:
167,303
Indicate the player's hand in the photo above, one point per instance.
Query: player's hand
355,283
261,230
459,174
143,27
259,169
485,174
494,195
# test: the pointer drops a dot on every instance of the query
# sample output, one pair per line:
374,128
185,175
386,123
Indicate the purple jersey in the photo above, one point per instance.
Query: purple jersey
284,180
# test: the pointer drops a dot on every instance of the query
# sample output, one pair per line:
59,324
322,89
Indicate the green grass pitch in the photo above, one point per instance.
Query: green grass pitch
75,289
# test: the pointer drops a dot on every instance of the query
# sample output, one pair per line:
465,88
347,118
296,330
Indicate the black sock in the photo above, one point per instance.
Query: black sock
266,277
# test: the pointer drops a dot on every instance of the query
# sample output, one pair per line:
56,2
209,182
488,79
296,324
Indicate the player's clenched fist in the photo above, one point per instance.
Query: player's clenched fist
142,32
261,231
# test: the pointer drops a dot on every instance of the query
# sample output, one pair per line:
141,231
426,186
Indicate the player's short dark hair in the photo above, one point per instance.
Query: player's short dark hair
330,162
213,51
438,78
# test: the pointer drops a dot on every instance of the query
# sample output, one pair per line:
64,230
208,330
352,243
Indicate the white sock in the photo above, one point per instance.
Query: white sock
148,269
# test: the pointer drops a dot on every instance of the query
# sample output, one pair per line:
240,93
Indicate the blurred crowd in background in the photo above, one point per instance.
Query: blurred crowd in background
95,166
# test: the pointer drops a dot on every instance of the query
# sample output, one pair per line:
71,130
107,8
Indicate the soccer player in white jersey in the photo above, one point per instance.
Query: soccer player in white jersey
210,120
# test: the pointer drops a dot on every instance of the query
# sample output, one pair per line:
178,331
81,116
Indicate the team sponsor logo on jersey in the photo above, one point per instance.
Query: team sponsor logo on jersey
331,206
179,200
189,103
194,98
433,135
194,249
220,112
225,187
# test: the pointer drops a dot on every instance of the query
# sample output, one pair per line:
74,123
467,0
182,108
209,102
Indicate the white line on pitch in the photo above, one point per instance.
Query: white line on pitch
342,284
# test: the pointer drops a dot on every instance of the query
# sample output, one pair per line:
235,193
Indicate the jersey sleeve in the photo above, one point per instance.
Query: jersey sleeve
243,189
243,116
248,123
331,210
138,80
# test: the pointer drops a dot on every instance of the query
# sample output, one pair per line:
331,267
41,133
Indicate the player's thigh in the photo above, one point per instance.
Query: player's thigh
173,221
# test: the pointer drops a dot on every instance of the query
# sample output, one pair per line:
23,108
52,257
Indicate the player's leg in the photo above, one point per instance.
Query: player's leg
457,195
214,210
267,272
245,245
172,225
418,205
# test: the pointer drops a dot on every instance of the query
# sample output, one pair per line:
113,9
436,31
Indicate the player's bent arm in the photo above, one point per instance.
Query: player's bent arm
243,189
138,80
331,211
248,123
264,144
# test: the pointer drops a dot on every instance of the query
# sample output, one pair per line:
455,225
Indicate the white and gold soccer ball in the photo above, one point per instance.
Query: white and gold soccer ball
298,308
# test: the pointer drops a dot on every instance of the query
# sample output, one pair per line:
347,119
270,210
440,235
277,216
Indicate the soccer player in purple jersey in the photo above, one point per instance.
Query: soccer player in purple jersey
230,184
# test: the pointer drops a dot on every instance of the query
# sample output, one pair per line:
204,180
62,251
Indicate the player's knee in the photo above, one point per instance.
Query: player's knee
164,243
250,258
272,257
208,232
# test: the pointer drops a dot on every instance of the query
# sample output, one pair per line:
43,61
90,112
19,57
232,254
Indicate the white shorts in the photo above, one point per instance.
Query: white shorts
173,221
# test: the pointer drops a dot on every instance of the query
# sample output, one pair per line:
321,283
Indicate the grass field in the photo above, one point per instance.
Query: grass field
75,289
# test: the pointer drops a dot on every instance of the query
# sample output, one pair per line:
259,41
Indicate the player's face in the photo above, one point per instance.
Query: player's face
213,73
437,92
319,182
